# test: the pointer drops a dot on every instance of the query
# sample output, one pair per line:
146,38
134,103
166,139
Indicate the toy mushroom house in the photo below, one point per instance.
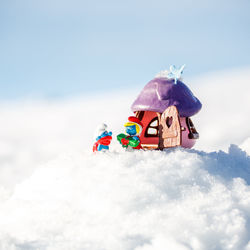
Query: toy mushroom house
164,107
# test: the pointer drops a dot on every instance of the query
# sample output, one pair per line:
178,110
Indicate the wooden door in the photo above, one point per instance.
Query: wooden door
170,128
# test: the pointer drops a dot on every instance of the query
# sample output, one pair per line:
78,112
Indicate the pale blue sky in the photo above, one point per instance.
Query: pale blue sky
61,48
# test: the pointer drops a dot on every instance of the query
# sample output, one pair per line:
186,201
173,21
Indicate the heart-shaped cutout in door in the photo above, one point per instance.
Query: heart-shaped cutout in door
169,121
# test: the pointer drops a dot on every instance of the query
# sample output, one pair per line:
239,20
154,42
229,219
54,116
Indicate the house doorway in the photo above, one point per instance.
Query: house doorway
150,133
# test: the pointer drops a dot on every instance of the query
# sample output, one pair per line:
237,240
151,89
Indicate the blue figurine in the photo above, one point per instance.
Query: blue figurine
133,130
103,139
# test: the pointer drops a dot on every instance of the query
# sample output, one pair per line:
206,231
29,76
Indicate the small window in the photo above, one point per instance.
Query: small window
154,123
153,128
152,131
193,134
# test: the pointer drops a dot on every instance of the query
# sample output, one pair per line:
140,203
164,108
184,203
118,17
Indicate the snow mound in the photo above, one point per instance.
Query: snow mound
176,199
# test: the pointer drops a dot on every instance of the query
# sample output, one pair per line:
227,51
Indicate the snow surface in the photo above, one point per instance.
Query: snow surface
55,194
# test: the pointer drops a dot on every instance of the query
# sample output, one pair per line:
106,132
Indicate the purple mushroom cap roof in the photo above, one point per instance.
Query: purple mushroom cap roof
160,93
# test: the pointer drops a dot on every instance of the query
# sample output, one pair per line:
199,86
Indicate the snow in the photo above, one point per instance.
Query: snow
55,194
140,200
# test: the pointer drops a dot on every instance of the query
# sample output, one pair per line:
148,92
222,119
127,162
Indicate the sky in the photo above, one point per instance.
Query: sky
62,48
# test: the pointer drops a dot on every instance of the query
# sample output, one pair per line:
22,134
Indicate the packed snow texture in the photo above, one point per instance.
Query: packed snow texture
177,199
55,194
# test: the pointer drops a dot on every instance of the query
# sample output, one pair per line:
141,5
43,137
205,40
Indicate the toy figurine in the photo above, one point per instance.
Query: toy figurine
164,108
103,139
133,129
